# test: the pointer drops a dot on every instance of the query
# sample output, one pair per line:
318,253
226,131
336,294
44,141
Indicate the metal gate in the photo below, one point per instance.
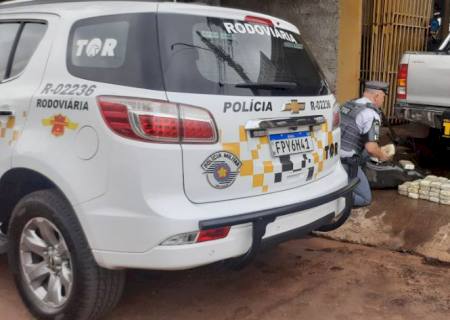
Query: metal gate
391,27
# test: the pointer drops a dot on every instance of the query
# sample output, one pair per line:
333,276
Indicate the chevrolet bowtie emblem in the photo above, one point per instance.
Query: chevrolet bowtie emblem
294,106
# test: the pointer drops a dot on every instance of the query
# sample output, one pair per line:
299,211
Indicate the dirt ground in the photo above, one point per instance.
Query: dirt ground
302,279
418,226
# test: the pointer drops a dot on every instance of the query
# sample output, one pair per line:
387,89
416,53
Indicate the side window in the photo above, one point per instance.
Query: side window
100,45
30,38
118,49
8,33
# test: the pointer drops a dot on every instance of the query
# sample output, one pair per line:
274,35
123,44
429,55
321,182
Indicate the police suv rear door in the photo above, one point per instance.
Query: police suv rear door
268,101
25,39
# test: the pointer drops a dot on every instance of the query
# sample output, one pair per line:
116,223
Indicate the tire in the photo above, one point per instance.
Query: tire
63,262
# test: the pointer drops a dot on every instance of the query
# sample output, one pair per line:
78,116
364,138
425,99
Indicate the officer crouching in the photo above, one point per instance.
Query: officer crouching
360,133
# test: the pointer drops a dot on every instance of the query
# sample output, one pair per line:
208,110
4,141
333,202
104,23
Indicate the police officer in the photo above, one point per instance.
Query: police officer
360,129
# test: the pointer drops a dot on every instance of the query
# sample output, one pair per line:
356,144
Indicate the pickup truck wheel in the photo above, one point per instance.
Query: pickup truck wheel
53,266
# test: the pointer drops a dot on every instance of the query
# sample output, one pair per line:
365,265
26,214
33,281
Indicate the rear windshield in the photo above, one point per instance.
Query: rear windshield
193,54
219,56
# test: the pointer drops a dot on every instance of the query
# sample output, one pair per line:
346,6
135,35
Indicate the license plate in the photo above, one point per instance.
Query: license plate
446,128
284,144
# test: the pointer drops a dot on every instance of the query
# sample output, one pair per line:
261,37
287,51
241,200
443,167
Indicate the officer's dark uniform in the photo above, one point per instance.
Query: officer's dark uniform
360,123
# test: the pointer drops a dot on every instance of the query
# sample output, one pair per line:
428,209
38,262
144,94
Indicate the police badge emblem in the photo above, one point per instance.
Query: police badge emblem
221,169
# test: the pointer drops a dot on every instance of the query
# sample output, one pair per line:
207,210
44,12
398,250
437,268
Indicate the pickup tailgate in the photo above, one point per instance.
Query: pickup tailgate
428,79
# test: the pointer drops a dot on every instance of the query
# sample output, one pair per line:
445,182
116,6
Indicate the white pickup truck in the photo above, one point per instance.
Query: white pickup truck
423,92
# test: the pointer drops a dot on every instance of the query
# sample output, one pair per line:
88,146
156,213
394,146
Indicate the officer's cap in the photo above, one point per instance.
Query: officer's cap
378,85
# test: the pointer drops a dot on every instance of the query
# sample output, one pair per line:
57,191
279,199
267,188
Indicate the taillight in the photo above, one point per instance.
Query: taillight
336,116
197,125
213,234
157,121
258,20
402,81
158,127
197,237
116,117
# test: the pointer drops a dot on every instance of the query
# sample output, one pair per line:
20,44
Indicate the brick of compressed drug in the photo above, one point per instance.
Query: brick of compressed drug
442,180
415,183
425,183
436,185
431,177
389,149
435,199
445,187
424,197
413,190
424,192
407,165
414,195
434,195
446,202
403,193
435,190
445,193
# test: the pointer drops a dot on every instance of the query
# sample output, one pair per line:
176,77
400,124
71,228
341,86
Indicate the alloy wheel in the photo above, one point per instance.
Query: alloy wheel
46,263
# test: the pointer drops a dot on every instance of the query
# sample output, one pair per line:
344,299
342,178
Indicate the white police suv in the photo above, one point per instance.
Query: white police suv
149,135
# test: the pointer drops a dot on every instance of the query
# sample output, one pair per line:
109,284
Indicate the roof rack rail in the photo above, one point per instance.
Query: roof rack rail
24,3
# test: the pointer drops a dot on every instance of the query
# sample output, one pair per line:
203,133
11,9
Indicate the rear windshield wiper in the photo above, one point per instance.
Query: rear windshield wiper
323,88
268,85
219,52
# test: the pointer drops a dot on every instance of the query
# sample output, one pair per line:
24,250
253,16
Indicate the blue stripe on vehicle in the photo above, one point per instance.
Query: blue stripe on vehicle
283,136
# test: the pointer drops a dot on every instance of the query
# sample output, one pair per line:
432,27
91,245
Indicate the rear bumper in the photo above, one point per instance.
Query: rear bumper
261,219
270,215
249,232
431,116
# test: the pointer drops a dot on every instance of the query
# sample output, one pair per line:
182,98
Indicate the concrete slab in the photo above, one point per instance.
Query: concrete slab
400,223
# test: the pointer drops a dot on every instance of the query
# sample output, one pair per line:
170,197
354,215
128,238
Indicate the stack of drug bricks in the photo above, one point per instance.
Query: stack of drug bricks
432,188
